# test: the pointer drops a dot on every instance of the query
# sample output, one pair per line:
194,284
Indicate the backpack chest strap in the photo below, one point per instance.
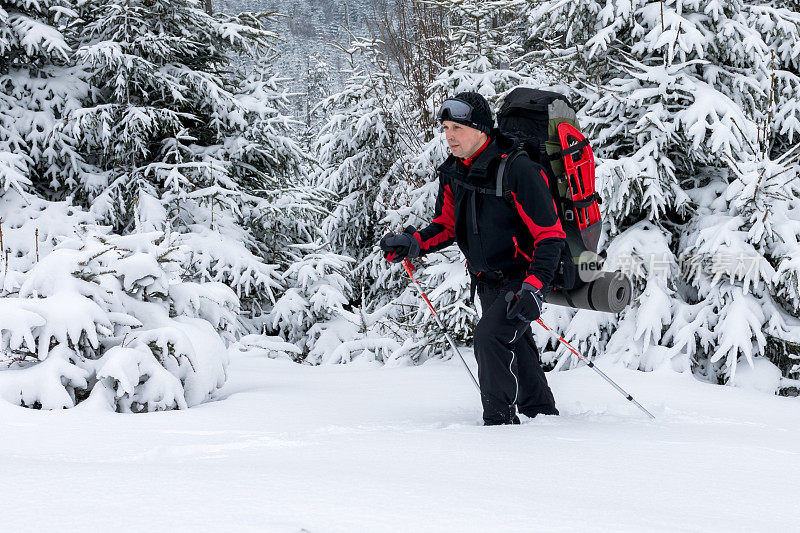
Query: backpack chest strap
470,187
499,189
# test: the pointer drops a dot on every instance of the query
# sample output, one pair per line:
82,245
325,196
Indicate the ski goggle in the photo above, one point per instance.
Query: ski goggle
454,110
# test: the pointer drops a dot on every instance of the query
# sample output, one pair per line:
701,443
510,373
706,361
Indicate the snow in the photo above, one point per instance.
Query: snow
762,376
365,447
230,228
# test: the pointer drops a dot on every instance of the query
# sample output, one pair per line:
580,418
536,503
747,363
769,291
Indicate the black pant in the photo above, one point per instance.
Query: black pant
509,371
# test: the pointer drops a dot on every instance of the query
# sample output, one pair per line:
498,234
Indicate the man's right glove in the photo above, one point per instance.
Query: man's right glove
398,247
526,304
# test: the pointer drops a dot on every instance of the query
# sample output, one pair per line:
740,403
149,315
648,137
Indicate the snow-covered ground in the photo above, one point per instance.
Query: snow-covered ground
367,448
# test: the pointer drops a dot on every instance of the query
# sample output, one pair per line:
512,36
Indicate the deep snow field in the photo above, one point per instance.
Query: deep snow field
362,447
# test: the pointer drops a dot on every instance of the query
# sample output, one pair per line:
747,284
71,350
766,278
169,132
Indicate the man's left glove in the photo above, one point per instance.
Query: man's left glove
526,304
398,247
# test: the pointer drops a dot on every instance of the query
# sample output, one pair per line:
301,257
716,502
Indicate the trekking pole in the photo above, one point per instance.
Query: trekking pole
410,269
593,367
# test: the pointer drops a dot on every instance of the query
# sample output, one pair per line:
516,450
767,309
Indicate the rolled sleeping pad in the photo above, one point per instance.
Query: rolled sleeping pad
606,291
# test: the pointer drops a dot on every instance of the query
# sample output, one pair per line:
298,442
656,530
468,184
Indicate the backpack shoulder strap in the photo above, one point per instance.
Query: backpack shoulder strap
502,171
500,189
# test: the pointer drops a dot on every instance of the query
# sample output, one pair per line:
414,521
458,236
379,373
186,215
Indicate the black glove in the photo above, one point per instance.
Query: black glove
398,247
526,304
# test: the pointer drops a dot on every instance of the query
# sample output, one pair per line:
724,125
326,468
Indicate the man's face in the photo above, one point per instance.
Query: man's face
462,140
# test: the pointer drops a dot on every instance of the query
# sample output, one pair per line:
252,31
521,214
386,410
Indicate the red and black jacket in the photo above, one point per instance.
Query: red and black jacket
517,235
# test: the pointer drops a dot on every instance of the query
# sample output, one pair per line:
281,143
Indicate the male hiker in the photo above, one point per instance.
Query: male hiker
511,242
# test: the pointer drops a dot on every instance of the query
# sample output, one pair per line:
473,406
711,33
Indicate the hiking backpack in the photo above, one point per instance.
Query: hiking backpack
547,126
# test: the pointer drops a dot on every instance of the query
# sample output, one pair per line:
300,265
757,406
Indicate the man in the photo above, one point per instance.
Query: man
512,243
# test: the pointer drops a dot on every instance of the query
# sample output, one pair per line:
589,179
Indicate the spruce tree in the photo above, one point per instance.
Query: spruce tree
317,82
185,135
37,85
355,147
674,96
85,313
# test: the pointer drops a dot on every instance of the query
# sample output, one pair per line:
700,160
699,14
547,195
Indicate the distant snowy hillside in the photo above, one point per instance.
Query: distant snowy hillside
308,29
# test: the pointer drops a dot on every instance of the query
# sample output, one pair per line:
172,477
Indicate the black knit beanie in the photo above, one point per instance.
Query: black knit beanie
481,117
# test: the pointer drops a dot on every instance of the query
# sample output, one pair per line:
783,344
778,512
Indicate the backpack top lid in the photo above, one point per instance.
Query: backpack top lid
532,99
533,114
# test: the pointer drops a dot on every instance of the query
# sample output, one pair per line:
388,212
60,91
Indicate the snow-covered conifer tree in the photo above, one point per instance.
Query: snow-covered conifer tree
747,300
356,148
673,94
484,43
317,88
88,315
334,314
80,307
37,85
186,137
182,151
318,292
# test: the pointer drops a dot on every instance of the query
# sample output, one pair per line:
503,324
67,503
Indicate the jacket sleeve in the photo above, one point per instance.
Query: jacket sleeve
440,233
537,208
